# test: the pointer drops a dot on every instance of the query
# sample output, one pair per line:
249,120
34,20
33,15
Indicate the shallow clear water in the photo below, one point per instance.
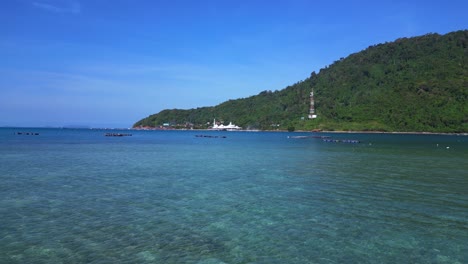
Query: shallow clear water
76,196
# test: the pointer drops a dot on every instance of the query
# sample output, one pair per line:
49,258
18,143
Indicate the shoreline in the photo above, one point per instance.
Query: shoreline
397,133
323,131
386,132
252,131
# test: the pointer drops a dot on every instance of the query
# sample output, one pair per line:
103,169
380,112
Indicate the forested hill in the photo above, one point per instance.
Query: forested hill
411,84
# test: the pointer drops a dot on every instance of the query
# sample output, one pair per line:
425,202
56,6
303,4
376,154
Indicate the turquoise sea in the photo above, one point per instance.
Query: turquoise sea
77,196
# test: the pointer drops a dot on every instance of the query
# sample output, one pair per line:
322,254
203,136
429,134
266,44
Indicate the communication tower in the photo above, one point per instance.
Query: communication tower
312,114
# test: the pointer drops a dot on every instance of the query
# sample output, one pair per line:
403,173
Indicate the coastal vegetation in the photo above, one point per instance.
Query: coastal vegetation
417,84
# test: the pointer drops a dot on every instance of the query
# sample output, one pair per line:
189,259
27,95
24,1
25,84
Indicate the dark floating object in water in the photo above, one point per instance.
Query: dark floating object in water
117,135
352,141
210,136
27,133
303,137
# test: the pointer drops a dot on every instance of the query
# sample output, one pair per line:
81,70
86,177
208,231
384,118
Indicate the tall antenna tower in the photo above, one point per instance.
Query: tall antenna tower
312,114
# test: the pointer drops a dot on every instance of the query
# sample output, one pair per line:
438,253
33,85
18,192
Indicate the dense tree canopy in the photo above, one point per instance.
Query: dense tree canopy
411,84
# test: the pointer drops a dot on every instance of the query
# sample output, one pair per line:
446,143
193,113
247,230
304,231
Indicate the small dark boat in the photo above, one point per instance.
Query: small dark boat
210,136
27,133
117,135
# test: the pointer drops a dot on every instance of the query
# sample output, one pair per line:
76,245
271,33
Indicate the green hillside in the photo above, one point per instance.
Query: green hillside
411,84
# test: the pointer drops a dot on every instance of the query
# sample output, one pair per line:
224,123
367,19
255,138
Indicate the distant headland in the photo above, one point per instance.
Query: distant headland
413,85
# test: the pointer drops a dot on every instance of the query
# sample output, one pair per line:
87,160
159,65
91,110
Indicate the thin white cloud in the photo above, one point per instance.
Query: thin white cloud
39,82
61,7
173,71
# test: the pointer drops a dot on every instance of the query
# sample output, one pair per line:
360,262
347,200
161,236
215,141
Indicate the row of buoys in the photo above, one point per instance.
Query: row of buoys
210,136
328,139
117,135
302,137
27,133
353,141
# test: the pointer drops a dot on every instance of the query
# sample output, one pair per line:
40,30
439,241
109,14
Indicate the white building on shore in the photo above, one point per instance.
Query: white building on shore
230,127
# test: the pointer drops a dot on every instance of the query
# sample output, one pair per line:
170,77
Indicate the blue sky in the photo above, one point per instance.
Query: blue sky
108,63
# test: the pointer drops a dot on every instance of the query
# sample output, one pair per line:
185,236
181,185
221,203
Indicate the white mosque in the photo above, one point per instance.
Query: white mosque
230,127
